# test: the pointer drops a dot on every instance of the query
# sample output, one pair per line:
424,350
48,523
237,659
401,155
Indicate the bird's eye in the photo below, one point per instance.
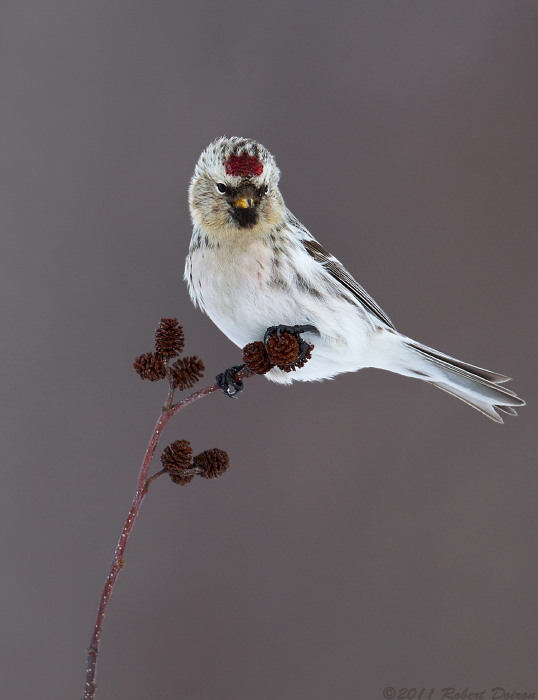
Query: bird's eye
222,188
266,189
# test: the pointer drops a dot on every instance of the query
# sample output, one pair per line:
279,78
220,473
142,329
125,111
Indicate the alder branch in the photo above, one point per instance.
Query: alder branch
118,561
177,459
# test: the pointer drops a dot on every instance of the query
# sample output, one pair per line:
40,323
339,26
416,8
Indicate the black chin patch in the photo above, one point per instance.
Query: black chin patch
245,218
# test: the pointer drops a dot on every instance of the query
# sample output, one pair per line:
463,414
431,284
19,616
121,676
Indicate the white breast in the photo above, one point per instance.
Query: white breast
243,293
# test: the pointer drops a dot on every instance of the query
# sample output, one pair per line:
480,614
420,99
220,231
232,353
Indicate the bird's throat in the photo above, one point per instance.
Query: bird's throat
245,218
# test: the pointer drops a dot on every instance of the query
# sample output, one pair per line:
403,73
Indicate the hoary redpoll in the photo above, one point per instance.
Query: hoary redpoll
252,266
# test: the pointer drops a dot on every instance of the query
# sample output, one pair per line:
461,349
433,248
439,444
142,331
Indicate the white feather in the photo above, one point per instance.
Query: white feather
275,273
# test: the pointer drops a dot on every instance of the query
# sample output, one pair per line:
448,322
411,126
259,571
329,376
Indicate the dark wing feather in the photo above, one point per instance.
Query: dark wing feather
341,275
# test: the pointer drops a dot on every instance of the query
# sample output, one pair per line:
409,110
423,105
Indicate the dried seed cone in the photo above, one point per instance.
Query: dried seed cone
256,358
177,457
169,337
182,479
186,372
212,463
150,366
282,351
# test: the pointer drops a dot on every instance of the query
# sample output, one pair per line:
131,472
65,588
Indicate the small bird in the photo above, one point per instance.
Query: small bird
252,266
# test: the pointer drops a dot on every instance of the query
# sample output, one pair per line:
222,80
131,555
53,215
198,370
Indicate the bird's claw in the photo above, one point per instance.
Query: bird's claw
296,332
226,381
293,330
303,349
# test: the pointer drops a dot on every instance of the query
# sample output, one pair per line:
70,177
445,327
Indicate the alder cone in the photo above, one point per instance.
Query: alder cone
283,351
177,457
169,337
186,372
256,358
150,366
212,463
181,479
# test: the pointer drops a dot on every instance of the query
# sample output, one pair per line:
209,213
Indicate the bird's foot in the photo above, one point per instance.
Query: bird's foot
295,331
226,381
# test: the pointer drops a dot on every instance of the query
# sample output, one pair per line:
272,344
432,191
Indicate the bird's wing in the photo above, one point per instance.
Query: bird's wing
335,268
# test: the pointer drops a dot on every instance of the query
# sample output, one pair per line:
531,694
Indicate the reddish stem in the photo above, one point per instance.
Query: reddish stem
141,490
153,478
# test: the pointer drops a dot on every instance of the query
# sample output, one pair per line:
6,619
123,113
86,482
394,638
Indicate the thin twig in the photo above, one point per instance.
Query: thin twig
141,491
151,479
171,387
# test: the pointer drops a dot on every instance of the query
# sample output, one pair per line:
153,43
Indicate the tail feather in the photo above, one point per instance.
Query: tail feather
507,409
486,374
486,408
476,386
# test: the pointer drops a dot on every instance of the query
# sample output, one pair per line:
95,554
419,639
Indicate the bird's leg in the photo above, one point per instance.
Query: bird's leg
296,332
293,330
226,381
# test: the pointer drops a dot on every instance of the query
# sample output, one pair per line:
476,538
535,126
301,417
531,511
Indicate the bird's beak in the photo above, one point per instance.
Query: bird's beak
244,203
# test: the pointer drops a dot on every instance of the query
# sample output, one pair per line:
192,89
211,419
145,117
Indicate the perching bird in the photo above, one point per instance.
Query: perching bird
252,265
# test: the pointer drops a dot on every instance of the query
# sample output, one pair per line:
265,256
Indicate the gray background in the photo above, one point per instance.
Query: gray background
372,531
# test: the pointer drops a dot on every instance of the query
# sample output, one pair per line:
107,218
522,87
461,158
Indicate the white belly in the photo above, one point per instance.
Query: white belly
238,292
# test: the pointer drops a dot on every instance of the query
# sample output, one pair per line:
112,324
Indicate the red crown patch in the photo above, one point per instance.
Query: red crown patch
243,165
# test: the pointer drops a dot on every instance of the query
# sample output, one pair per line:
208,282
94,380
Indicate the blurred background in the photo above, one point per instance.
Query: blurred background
372,531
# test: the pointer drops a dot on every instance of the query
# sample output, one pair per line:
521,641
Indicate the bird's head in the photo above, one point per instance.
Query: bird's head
234,188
